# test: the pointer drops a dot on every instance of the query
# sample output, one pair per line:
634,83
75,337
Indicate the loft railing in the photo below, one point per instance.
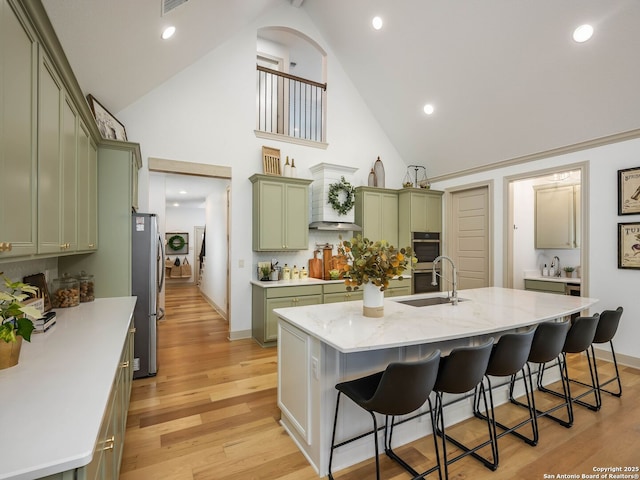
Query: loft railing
290,105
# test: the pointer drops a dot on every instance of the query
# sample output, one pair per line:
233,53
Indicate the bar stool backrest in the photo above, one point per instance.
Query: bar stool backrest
548,341
608,325
404,386
510,353
463,368
581,333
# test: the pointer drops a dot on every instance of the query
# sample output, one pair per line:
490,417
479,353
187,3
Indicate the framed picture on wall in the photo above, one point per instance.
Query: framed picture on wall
629,191
629,245
109,126
177,243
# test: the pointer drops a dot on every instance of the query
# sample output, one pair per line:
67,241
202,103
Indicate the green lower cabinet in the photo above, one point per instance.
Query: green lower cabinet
398,288
543,286
337,292
264,323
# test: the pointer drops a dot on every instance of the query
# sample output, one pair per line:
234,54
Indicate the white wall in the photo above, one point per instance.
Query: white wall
214,277
184,219
207,114
612,286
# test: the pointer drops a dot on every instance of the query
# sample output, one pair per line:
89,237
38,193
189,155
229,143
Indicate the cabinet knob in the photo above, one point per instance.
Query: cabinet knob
125,364
132,330
92,245
109,443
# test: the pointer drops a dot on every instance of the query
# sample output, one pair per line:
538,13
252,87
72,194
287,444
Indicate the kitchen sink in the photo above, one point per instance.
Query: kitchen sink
426,302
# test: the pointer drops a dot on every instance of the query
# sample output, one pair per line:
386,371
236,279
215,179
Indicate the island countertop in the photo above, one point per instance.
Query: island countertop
53,401
481,311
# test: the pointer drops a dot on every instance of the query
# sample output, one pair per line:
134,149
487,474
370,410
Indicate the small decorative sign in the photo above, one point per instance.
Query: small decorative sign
629,191
629,245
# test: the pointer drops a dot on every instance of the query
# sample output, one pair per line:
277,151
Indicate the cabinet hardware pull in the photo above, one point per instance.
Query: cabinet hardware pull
132,330
91,245
111,441
125,364
8,246
2,246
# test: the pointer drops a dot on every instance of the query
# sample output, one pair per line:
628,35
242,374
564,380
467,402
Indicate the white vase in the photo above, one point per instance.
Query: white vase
372,301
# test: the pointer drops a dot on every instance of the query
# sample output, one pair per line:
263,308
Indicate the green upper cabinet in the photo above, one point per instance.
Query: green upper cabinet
69,176
280,213
557,216
18,130
50,100
420,210
87,191
377,213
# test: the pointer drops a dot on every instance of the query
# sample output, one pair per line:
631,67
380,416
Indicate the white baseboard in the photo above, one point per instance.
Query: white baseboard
626,360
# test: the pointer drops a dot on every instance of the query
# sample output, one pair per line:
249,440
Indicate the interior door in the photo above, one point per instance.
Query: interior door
469,237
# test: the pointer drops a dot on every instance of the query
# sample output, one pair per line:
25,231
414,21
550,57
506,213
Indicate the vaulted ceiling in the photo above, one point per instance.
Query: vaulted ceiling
505,77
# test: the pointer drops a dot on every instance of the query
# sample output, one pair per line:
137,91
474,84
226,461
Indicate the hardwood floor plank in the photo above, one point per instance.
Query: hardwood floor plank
211,413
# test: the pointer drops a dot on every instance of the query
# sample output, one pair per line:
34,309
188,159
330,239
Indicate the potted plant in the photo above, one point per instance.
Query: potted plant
14,324
371,265
568,271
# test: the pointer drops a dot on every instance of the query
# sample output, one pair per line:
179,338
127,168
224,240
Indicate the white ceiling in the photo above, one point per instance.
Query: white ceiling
505,77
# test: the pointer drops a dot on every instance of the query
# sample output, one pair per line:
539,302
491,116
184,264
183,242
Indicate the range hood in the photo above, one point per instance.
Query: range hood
338,226
323,216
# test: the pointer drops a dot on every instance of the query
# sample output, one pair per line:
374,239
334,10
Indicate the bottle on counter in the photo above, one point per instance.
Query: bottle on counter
286,272
294,170
304,273
286,172
295,273
545,271
65,292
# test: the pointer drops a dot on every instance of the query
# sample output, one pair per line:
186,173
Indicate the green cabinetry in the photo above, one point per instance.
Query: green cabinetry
419,210
18,130
337,292
376,211
398,288
280,213
87,191
264,322
544,286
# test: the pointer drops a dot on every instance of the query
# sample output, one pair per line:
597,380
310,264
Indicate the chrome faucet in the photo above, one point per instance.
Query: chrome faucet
555,266
454,283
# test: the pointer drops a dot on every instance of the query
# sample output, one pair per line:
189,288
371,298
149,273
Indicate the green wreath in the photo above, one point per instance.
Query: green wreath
176,243
334,196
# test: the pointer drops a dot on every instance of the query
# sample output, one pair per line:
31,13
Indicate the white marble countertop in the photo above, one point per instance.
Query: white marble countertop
554,279
53,401
484,311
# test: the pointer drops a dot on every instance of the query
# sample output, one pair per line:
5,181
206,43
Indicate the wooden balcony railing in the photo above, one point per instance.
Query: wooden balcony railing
290,105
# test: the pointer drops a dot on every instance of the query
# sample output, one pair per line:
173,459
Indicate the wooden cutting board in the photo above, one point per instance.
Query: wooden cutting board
315,266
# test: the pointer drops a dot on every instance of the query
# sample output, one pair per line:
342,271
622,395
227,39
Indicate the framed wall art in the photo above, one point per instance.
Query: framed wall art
108,125
177,243
629,245
629,191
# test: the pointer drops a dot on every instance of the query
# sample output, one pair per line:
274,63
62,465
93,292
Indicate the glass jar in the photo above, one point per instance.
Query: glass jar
65,292
86,285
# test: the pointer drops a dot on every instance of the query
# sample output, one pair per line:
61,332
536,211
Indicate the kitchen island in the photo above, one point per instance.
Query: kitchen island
321,345
64,406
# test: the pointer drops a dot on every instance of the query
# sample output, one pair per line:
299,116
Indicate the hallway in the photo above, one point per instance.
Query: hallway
211,414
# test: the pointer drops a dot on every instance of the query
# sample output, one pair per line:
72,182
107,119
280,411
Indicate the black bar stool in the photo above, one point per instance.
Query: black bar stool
607,328
547,346
461,372
508,358
400,389
579,339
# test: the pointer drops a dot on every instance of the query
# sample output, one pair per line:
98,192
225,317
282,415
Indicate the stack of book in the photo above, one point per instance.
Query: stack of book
47,320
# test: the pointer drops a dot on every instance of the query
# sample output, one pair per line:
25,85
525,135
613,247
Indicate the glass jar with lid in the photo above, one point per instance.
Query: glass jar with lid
65,292
86,284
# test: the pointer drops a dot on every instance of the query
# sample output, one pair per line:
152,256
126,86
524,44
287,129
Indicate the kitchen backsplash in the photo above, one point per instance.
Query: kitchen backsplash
17,270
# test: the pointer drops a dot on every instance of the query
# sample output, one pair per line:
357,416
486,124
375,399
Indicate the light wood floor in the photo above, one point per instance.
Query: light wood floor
211,413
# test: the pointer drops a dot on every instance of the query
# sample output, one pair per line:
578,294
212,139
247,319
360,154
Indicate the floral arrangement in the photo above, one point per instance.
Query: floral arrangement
375,262
13,312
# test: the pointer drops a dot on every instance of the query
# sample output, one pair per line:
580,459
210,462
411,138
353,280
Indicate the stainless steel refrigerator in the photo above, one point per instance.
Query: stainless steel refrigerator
147,278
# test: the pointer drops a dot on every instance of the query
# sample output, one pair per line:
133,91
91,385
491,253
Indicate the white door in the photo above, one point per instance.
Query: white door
468,236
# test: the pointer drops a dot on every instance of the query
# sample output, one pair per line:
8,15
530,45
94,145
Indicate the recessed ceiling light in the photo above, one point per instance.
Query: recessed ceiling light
428,109
377,23
168,32
176,204
183,192
583,33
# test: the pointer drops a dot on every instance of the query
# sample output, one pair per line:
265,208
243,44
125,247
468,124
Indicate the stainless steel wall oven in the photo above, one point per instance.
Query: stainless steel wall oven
426,248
